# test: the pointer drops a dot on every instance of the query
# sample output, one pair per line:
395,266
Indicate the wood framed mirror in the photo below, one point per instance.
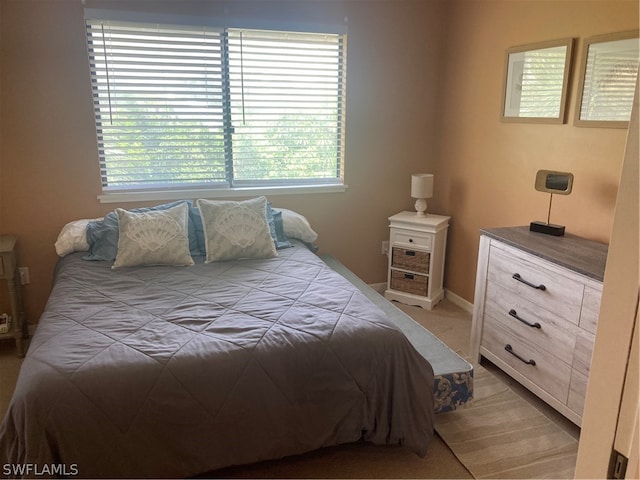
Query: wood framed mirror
536,80
608,72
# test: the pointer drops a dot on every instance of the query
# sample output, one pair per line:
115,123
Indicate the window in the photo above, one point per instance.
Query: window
179,107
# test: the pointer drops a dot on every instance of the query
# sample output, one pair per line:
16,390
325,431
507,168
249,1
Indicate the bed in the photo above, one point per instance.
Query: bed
146,370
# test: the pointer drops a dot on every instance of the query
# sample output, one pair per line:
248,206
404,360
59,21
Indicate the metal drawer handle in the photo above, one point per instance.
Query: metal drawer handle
509,349
514,314
410,253
408,276
516,276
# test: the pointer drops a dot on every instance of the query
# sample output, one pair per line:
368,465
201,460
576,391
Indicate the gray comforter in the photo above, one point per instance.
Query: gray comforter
174,371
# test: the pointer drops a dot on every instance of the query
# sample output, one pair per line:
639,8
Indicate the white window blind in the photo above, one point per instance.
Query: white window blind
610,80
542,80
190,106
286,106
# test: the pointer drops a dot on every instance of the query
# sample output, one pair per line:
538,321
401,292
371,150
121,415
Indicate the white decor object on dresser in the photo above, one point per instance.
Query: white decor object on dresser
536,309
417,245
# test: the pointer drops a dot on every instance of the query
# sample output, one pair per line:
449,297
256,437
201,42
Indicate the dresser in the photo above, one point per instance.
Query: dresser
536,309
417,245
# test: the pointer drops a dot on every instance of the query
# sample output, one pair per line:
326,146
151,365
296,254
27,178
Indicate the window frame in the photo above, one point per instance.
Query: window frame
111,194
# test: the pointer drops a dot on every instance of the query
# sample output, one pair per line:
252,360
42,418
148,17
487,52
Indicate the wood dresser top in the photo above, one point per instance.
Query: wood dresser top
578,254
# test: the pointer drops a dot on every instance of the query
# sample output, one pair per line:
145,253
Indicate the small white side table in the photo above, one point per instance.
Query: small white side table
417,245
9,272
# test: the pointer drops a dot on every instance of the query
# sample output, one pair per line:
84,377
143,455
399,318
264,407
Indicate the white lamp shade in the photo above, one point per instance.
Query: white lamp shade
422,185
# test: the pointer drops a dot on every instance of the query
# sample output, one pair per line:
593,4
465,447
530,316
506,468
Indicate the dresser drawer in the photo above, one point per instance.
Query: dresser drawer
414,260
530,277
590,309
409,282
548,373
554,336
577,392
580,373
411,239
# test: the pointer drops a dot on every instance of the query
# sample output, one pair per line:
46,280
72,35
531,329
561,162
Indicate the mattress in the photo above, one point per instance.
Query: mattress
174,371
453,381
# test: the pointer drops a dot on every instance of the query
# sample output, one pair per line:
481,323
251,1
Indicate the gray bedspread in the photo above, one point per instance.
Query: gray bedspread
174,371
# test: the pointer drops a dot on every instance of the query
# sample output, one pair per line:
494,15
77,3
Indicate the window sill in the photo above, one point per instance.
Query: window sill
124,196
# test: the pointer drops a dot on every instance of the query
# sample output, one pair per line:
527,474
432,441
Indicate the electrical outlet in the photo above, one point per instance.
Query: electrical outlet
24,275
385,247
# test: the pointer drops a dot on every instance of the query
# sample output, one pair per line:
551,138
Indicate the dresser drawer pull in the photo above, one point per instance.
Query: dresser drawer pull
408,276
509,349
515,315
516,276
410,253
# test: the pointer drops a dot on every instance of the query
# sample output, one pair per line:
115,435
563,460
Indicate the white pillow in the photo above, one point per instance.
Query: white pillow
73,237
236,230
297,226
153,237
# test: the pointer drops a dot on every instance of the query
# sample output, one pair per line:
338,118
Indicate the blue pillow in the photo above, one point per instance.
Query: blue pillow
102,236
274,219
195,220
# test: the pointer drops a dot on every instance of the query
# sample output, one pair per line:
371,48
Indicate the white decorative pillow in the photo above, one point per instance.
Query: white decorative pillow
235,230
297,226
73,237
154,237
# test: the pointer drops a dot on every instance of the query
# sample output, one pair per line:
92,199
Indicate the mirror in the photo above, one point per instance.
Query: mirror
608,73
554,182
535,88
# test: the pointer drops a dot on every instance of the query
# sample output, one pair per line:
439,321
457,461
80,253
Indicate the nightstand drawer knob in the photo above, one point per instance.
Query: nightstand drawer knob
411,240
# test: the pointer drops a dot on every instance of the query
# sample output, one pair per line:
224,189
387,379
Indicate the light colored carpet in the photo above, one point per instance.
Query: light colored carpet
503,436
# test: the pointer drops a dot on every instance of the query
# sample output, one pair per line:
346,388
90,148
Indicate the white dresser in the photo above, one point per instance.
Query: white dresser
536,308
417,245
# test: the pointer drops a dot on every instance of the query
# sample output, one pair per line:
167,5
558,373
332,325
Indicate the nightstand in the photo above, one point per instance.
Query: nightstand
417,245
9,272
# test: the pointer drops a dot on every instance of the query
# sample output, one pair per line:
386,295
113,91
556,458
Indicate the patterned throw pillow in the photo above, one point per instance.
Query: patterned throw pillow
155,237
236,230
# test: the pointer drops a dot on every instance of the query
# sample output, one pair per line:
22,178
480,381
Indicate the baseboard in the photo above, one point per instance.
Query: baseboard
459,301
379,287
448,294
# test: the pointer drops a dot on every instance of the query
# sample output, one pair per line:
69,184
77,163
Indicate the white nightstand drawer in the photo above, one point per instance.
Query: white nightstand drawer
411,239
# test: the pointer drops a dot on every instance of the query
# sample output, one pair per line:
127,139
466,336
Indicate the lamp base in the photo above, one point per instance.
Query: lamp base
547,228
421,206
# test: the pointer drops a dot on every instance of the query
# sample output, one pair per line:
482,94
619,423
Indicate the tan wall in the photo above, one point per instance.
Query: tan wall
48,164
403,116
487,168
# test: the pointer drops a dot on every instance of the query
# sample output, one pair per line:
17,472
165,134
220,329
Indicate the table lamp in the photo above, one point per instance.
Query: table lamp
421,189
